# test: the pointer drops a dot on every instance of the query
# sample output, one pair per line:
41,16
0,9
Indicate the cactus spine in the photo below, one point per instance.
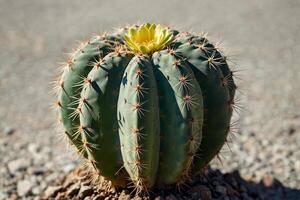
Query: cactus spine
149,105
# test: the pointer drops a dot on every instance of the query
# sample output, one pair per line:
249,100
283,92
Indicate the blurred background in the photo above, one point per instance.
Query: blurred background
261,37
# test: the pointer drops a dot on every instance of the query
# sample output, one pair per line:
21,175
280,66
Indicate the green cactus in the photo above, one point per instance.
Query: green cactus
148,105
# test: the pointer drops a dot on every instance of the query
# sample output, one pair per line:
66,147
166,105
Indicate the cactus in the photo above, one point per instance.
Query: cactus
148,105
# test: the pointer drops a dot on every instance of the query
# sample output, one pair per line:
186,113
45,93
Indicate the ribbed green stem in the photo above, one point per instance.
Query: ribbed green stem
138,117
181,113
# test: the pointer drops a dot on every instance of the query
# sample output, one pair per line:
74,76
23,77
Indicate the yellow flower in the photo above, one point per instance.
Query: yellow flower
148,38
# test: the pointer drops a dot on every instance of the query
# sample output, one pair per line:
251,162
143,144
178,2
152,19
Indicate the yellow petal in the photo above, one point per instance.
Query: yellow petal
147,38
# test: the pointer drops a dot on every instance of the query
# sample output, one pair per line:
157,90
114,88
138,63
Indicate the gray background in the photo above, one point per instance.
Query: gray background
262,37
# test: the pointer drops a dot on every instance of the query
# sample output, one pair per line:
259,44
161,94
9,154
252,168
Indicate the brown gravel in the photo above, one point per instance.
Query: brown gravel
211,185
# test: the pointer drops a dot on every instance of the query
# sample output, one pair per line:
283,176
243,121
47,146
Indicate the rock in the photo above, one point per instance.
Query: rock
13,197
69,167
171,197
17,165
51,177
201,191
221,190
85,191
61,195
234,198
33,148
112,190
8,131
297,165
52,191
36,190
230,180
42,185
102,194
205,193
124,196
73,190
136,198
269,181
246,197
3,195
24,187
230,191
98,197
36,170
70,180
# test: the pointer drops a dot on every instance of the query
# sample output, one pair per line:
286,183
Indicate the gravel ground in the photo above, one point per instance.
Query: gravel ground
212,184
262,36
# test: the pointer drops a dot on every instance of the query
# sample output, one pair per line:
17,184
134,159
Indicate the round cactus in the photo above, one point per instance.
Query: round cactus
148,105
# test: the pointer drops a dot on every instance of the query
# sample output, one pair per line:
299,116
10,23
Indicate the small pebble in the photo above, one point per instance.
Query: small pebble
24,187
16,165
124,196
8,131
85,191
201,191
221,190
98,197
171,197
33,148
52,191
73,190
